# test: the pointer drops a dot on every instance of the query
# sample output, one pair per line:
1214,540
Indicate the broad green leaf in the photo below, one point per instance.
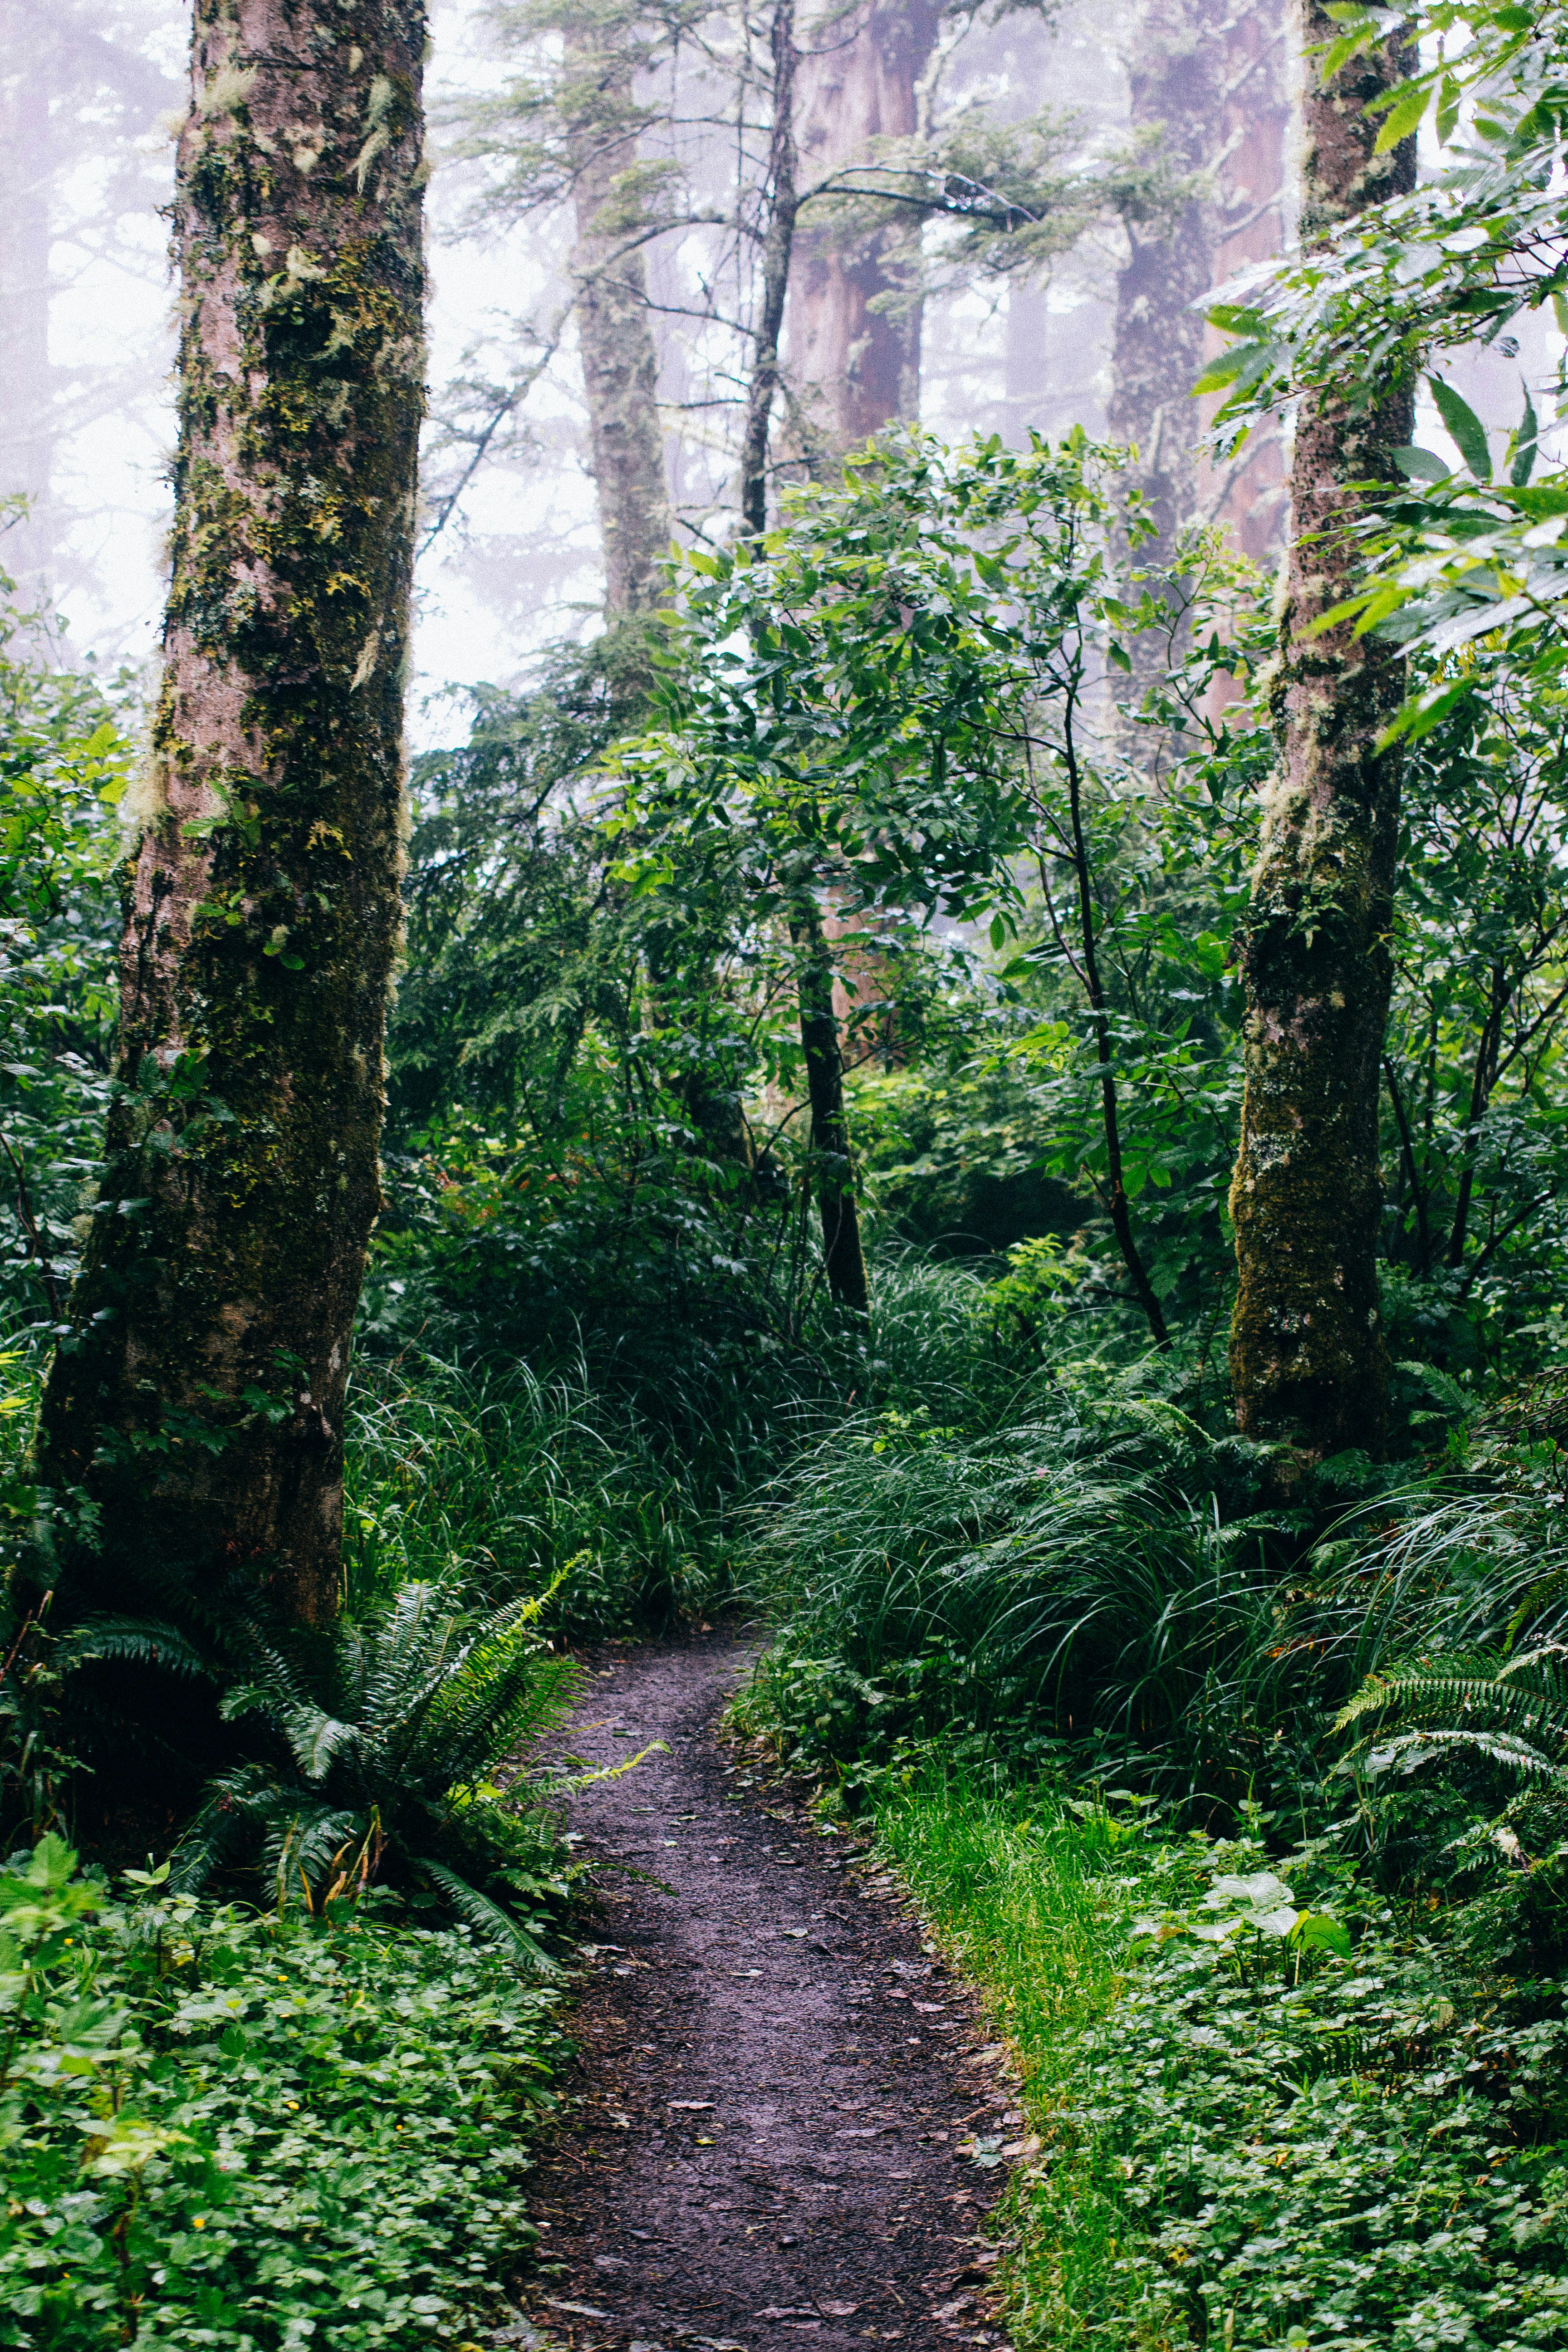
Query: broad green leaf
1421,465
1320,1931
1469,432
1448,109
1403,115
1525,445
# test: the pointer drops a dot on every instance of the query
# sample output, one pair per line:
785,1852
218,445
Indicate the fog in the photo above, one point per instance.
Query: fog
90,98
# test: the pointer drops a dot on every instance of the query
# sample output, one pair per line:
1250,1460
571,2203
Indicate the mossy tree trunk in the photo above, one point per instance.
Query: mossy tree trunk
620,361
193,1422
1308,1354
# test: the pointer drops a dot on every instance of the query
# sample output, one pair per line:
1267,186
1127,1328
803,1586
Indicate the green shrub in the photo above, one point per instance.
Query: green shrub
251,2133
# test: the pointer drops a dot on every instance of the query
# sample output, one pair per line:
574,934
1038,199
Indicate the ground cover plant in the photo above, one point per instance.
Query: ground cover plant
1269,2106
224,2127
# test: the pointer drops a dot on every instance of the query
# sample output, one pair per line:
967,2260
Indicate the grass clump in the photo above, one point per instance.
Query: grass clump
237,2129
509,1485
1087,1580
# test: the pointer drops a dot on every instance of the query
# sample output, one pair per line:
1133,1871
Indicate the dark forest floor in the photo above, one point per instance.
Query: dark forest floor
776,2080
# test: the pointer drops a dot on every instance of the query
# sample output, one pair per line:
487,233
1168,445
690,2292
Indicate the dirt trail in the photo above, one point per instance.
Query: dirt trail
775,2079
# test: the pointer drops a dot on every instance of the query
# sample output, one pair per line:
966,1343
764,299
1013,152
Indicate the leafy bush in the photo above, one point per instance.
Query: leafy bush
64,758
253,2132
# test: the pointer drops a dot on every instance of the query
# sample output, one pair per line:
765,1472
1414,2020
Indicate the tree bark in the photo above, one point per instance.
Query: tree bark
843,1257
1252,221
1175,80
777,246
620,360
1308,1355
856,367
193,1418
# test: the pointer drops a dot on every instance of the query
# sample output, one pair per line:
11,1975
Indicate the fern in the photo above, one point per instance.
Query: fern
377,1740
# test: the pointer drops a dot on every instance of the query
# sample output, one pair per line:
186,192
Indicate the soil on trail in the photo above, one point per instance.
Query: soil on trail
778,2087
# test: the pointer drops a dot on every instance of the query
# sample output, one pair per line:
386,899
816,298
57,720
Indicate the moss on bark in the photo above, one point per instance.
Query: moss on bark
195,1407
1308,1354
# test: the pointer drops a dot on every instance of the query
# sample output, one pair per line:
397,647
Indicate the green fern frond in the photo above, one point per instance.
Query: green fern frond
135,1641
1411,1749
488,1918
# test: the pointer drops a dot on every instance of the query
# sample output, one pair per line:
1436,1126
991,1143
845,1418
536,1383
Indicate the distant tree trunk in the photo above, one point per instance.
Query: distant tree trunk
858,78
777,246
1253,220
842,1255
1175,76
1308,1355
196,1405
620,361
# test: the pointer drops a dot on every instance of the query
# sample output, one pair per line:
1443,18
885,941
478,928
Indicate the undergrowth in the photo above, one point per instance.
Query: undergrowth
229,2129
1255,2122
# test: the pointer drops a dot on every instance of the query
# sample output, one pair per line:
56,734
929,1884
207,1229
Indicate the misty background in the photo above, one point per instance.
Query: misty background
90,99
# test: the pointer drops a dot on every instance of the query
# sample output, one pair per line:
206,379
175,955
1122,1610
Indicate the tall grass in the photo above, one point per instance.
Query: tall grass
503,1485
1093,1573
1027,1898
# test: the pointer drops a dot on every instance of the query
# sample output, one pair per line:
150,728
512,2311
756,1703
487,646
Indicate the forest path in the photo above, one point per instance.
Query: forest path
776,2078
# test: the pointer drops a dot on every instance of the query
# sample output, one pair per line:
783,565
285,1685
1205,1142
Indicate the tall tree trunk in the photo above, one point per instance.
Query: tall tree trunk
777,246
195,1403
620,361
1307,1354
856,367
834,1168
1253,205
1176,82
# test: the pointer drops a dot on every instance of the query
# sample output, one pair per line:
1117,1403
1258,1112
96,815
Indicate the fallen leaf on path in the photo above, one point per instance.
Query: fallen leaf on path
956,2309
838,2310
582,2310
794,1933
691,2106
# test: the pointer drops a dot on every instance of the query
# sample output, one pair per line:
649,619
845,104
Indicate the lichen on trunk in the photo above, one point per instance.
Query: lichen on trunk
1308,1352
193,1420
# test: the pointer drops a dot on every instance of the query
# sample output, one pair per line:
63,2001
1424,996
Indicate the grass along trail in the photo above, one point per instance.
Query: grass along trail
778,2084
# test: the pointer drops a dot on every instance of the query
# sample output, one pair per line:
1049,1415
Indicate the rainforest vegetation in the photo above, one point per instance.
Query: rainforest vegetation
973,1074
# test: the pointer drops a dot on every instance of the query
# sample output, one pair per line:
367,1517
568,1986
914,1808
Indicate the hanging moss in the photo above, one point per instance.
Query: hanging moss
197,1405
